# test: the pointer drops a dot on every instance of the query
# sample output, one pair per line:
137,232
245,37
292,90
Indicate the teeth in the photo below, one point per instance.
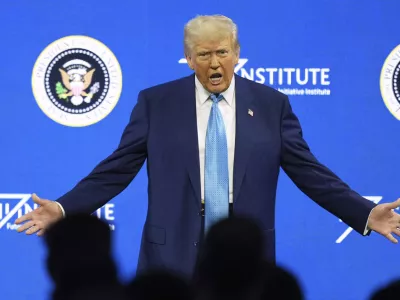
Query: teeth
215,80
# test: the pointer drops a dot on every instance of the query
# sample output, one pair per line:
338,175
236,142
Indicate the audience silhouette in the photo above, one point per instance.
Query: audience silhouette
79,258
230,266
391,291
159,284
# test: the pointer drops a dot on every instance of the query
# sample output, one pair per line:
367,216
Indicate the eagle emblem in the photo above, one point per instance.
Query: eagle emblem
76,77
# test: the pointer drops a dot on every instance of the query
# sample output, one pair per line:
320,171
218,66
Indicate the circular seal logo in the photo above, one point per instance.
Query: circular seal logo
76,81
390,82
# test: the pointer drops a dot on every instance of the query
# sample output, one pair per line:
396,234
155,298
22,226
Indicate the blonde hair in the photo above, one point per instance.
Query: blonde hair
214,28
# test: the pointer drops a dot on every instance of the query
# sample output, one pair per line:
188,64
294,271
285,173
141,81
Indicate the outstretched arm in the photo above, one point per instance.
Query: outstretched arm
316,180
112,175
109,178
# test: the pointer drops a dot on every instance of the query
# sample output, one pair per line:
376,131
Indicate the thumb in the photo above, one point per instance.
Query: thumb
394,204
37,200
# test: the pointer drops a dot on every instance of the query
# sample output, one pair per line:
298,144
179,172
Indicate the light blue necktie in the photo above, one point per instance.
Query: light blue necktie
216,176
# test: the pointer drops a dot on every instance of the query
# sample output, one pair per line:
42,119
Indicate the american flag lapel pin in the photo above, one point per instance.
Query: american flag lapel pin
250,112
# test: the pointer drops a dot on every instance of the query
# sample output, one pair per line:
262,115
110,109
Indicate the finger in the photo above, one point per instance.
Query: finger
26,226
391,238
33,229
394,204
29,216
24,218
396,231
38,200
40,232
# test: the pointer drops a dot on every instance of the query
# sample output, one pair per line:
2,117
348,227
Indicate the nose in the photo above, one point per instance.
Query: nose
214,61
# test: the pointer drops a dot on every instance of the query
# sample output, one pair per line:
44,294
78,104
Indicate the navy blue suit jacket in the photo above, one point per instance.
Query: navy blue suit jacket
163,130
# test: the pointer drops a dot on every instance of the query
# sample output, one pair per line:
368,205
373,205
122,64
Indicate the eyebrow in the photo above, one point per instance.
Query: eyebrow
207,50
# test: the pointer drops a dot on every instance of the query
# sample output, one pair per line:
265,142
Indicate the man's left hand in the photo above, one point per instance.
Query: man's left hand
385,221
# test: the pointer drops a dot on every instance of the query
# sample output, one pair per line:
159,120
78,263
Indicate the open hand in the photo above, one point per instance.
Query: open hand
385,221
41,218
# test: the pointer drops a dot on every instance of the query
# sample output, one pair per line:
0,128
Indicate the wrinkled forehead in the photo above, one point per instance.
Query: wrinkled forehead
213,43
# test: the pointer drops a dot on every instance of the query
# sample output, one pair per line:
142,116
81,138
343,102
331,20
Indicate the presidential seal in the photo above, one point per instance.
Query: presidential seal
76,81
390,82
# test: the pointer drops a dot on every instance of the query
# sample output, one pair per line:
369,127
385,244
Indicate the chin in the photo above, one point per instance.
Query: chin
217,88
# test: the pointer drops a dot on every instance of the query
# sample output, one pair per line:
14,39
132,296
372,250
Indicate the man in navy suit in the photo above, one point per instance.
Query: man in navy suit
214,144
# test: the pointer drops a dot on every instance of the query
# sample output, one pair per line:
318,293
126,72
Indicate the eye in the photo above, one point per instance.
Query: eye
222,51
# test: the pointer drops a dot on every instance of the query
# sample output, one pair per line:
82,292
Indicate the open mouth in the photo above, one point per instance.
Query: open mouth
216,78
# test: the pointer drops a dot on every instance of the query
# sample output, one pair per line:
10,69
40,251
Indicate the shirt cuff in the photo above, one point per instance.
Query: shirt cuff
367,231
62,209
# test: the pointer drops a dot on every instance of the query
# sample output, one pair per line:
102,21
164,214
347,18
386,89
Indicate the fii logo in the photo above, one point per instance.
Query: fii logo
13,206
314,81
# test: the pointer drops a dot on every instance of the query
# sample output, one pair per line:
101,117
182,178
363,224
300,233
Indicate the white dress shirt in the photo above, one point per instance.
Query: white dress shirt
227,108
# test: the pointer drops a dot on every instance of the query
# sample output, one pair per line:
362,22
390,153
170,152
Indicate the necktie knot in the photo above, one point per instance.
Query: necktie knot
216,97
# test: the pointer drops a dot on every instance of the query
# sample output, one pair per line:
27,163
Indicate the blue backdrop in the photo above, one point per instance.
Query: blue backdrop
329,56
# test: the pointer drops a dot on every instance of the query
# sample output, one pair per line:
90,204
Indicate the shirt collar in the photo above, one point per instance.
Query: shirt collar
203,95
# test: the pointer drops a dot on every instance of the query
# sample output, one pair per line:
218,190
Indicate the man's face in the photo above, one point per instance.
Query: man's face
214,63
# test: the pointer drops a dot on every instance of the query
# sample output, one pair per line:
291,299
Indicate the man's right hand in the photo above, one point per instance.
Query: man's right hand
41,218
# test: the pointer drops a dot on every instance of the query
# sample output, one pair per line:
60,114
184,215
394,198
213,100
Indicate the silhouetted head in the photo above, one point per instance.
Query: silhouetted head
279,284
231,256
79,252
387,292
159,284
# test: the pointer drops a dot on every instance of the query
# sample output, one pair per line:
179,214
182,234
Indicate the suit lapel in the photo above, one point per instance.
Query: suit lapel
243,141
187,96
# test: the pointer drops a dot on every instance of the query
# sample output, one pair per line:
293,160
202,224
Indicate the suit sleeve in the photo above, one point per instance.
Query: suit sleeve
111,176
316,180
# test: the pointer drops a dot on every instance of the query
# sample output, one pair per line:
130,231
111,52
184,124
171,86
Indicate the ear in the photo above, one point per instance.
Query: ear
237,56
189,61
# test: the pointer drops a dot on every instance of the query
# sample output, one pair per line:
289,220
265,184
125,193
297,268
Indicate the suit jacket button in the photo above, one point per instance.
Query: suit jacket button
195,244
